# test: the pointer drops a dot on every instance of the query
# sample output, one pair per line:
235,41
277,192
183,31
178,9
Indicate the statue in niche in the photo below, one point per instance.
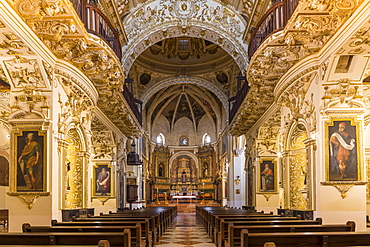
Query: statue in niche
183,177
205,170
161,170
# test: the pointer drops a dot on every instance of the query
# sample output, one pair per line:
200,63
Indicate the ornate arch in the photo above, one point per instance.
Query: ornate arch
181,153
159,20
74,166
297,166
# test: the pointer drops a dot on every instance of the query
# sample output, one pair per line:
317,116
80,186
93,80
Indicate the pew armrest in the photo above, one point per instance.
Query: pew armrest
103,243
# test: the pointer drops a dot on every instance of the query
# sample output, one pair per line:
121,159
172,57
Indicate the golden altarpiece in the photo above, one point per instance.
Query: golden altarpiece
182,173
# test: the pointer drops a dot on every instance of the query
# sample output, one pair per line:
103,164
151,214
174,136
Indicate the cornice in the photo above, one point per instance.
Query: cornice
205,67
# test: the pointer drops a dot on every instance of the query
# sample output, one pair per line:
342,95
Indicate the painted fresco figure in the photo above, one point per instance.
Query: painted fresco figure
29,159
267,178
342,146
102,182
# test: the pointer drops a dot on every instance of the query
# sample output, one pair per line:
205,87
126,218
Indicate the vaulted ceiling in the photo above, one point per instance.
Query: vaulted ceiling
185,77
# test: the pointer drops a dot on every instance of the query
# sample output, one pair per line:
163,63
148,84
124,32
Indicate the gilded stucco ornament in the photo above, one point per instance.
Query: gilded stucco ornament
54,30
343,94
76,108
36,10
102,144
4,104
343,187
298,169
312,25
28,197
267,138
31,100
11,41
58,25
158,20
340,9
49,72
25,72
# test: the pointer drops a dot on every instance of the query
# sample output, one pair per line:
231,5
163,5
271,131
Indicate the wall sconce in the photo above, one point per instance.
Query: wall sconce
237,180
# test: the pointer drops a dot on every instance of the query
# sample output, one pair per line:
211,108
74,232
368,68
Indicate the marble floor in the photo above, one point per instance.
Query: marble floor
185,231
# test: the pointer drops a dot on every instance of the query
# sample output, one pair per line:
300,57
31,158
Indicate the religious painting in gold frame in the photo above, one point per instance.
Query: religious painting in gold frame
267,176
342,150
102,180
30,167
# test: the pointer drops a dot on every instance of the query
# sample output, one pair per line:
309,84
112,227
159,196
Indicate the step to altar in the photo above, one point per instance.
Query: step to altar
186,208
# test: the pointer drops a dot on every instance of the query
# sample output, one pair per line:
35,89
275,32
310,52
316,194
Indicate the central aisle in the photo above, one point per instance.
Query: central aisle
185,231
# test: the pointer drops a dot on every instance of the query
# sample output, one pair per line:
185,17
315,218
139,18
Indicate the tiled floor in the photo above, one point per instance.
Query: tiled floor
185,231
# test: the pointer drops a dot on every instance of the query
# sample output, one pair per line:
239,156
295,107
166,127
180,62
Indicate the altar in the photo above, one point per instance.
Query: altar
183,197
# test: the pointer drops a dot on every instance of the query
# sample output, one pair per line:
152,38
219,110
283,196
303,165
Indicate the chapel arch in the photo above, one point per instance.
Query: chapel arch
296,165
159,20
74,171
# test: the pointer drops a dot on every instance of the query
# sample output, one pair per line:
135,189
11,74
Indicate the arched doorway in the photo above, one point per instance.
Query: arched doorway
74,172
298,168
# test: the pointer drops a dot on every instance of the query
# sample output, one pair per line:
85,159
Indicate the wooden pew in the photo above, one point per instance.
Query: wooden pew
141,225
234,232
101,243
4,217
163,215
224,225
227,218
116,239
135,228
151,230
308,239
210,220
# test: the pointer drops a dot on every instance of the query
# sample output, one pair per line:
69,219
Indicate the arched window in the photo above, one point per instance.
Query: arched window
206,139
184,141
160,139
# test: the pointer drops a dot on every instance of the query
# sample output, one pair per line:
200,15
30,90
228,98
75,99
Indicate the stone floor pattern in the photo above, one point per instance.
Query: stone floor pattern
185,231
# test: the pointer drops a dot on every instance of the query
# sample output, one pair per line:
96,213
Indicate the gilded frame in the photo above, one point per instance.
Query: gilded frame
267,176
342,150
30,166
102,187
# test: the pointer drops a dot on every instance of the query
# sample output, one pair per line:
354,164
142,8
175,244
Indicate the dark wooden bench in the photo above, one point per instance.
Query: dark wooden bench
101,243
150,226
140,234
116,239
227,218
213,225
212,216
234,232
224,225
308,239
4,217
163,215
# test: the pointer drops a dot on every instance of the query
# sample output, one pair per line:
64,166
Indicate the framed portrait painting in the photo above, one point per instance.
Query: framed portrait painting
342,163
102,181
31,161
267,176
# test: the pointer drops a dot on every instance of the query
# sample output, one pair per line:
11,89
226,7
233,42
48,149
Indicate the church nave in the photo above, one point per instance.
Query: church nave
185,231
